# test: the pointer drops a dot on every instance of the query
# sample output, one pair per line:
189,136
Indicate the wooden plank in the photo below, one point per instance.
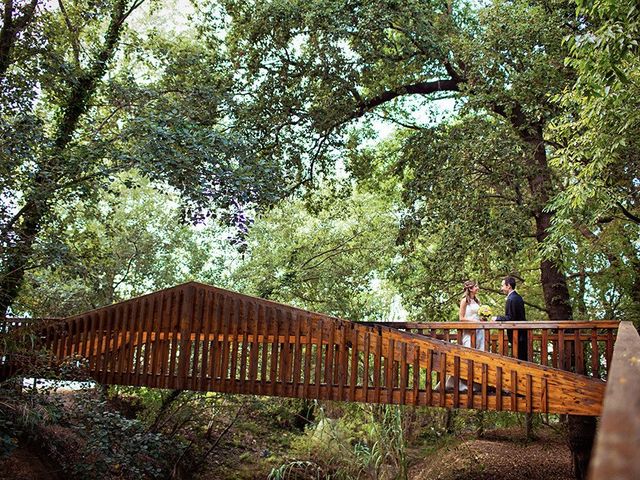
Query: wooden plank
114,347
264,365
141,333
456,383
174,328
388,371
297,352
92,353
404,374
600,324
285,350
365,368
499,389
544,347
198,347
234,345
208,310
618,440
288,354
561,359
146,317
254,327
217,326
609,350
353,363
579,349
595,354
318,326
275,344
328,369
377,368
529,394
307,355
130,339
485,385
470,375
416,375
160,303
342,360
429,378
227,324
501,349
443,378
84,335
514,387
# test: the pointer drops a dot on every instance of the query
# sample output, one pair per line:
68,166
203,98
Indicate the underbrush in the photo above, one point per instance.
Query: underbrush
83,436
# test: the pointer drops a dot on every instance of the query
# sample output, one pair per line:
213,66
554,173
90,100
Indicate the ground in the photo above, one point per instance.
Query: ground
260,439
500,455
25,463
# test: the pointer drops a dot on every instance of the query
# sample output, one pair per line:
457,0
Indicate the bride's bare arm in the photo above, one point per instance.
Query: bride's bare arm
462,311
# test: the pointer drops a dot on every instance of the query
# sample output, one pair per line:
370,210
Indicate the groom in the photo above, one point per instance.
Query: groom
514,312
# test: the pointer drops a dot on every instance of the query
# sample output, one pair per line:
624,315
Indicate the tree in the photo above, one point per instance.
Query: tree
463,216
42,167
327,254
130,241
325,64
85,99
599,203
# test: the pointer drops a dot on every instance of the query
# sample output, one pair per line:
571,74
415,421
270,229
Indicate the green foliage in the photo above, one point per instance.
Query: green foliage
364,444
129,241
85,437
118,446
330,255
597,210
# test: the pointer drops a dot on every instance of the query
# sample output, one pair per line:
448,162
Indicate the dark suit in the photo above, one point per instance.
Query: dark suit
514,312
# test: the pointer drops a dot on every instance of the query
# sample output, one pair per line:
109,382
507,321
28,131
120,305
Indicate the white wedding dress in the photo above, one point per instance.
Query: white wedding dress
472,313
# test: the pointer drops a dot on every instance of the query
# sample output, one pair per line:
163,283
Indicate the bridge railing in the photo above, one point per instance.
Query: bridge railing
618,439
583,347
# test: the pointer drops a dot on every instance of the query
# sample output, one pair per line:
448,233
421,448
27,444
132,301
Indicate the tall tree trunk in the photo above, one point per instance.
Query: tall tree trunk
12,27
581,429
18,253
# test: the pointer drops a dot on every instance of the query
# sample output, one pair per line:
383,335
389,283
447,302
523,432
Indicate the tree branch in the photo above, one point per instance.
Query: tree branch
628,214
73,34
420,88
11,27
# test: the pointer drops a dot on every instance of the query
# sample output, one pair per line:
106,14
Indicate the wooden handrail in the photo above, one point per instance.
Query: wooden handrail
604,324
584,347
618,438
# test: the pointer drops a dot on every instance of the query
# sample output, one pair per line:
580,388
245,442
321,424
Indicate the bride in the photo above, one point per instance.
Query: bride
469,305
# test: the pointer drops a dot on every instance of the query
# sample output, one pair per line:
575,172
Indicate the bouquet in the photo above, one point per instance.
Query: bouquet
485,312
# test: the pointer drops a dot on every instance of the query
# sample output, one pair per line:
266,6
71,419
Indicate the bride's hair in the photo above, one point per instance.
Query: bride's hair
468,285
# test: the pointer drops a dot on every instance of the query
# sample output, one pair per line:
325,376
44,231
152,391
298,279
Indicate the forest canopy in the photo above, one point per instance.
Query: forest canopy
361,159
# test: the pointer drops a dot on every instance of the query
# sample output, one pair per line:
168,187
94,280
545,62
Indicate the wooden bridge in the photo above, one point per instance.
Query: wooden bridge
199,337
203,338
